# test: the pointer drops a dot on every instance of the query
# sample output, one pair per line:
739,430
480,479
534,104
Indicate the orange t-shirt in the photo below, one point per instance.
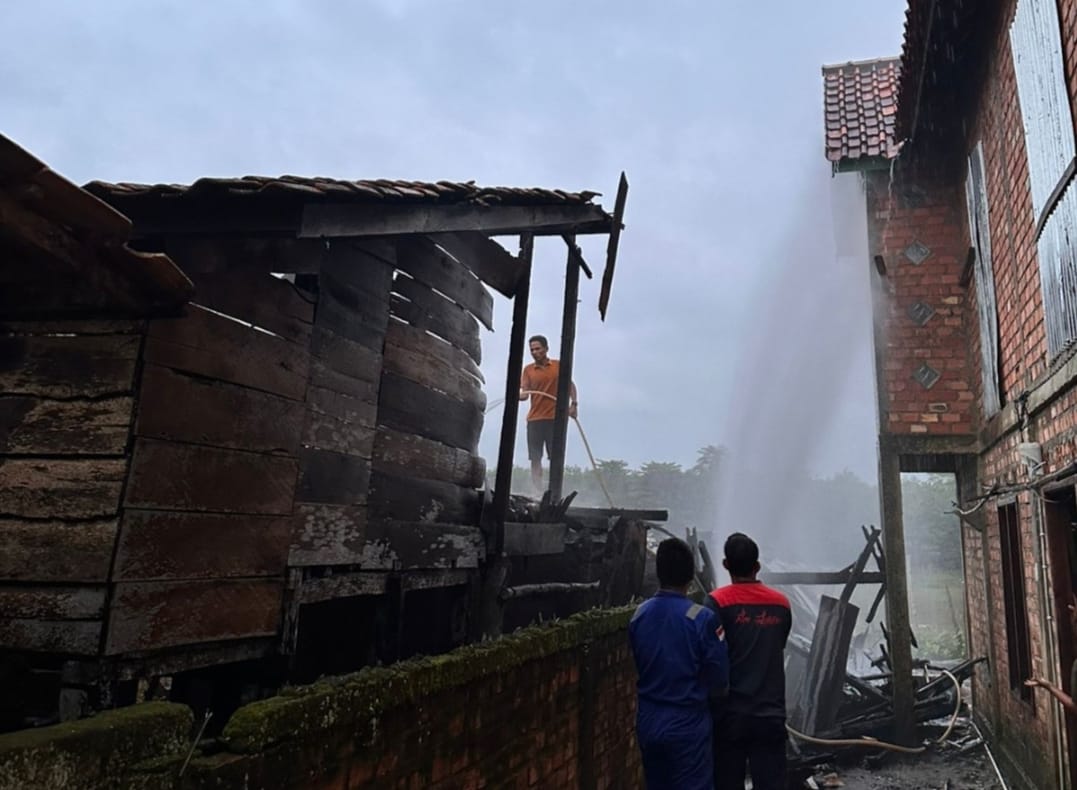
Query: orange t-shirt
541,379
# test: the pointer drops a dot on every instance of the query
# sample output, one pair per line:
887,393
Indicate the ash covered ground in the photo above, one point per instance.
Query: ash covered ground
936,770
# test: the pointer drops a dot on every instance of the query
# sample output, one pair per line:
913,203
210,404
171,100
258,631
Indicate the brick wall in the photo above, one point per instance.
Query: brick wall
550,706
921,206
901,214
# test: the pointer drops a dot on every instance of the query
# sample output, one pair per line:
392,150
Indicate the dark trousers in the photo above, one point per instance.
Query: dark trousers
749,742
675,746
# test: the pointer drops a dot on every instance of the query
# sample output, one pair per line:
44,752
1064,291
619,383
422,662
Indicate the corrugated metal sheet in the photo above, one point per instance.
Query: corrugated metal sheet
980,234
1057,248
1036,44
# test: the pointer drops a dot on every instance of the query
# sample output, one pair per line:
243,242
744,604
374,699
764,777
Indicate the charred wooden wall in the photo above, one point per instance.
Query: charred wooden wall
431,403
67,394
207,517
193,480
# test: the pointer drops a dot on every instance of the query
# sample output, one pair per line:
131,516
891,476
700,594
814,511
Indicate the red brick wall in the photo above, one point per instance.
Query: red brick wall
900,214
550,706
937,212
563,717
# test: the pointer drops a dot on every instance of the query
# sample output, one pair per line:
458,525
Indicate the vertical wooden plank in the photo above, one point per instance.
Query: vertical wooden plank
564,380
897,593
511,410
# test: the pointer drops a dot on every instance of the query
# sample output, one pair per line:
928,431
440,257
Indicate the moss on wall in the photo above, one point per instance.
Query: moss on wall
355,702
96,752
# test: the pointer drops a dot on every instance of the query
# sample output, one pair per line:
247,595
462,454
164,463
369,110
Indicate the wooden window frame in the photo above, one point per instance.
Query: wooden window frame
1014,599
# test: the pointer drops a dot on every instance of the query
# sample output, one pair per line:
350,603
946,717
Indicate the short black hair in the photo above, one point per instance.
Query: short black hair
674,562
741,554
540,338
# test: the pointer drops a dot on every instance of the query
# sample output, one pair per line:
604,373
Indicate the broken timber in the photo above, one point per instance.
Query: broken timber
547,588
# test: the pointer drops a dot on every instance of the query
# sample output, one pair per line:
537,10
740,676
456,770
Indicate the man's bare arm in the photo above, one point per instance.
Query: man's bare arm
1056,692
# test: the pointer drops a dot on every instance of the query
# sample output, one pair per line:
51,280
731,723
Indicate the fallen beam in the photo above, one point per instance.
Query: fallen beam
833,577
526,590
632,515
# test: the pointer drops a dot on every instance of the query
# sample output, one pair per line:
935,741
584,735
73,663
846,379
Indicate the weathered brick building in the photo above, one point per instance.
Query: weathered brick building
965,146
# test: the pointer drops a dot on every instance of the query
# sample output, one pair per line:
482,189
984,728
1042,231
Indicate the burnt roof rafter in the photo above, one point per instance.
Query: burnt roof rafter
331,208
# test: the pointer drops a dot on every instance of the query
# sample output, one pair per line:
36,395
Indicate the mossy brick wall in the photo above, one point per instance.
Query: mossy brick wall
551,706
126,748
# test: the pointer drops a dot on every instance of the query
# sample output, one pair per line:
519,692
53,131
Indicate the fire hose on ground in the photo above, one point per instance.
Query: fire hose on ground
874,743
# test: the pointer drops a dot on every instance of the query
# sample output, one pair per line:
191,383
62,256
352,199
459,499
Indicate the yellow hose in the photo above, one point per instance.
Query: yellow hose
874,743
586,444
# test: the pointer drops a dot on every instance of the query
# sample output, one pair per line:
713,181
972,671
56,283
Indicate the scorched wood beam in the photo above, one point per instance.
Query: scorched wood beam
485,258
348,219
511,410
564,377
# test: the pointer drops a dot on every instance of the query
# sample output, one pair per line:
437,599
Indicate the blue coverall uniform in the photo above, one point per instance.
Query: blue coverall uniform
681,658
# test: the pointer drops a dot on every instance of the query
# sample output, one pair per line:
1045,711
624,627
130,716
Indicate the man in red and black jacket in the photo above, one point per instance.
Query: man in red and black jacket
749,724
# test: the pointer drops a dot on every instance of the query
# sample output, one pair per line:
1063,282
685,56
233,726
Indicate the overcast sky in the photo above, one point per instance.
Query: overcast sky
713,109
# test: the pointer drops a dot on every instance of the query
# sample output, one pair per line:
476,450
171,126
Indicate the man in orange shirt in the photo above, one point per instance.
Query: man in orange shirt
539,382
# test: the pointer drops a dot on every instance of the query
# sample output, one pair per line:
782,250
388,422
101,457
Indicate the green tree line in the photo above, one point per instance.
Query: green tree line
827,516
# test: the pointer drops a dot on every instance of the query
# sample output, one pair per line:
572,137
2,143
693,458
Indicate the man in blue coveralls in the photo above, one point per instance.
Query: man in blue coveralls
681,660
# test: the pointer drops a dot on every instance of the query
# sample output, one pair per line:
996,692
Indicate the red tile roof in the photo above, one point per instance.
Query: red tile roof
861,108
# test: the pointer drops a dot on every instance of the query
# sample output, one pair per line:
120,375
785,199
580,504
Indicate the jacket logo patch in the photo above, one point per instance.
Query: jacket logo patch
764,619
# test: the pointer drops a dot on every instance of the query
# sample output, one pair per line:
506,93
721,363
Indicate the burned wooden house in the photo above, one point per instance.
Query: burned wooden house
251,445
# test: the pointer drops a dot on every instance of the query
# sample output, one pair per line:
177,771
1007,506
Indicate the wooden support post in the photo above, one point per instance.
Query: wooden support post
511,410
488,621
564,380
897,594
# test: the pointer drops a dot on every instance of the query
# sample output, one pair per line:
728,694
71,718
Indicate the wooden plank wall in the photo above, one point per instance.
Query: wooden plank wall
354,281
218,442
426,465
66,407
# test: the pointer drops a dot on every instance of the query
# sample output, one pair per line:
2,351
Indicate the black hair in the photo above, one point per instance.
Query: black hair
674,562
741,554
540,338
